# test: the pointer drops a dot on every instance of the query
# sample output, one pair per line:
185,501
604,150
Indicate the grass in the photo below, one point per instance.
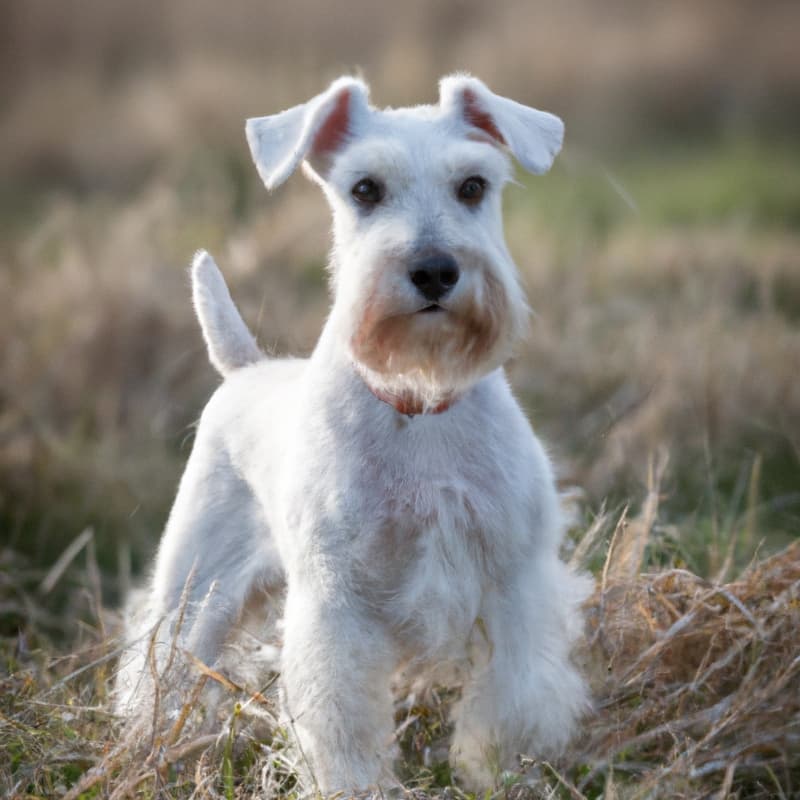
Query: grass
661,369
697,684
740,183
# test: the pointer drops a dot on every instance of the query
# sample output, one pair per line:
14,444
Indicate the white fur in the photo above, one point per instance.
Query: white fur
403,543
230,344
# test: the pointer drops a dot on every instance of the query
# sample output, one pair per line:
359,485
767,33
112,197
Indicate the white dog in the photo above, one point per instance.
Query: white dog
390,482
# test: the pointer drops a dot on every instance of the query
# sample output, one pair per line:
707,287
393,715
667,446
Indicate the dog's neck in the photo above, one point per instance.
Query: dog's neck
332,349
409,404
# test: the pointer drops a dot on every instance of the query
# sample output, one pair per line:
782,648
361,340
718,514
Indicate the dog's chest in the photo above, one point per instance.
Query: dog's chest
433,533
421,517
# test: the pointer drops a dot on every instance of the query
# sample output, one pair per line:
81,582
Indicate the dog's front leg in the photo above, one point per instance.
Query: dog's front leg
526,697
337,665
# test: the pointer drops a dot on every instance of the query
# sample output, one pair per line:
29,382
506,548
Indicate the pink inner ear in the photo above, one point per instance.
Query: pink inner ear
476,116
330,137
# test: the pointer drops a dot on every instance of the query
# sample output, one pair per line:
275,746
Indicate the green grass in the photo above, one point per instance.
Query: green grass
740,183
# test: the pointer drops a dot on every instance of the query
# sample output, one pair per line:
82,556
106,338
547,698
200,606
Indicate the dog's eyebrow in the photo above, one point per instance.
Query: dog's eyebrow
372,156
475,157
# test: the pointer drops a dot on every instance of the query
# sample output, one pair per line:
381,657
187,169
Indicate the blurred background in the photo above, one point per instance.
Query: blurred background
661,254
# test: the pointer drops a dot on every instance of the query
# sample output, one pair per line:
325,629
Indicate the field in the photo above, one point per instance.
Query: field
661,257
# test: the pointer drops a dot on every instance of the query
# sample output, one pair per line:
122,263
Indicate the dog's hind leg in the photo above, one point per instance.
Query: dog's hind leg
215,551
217,540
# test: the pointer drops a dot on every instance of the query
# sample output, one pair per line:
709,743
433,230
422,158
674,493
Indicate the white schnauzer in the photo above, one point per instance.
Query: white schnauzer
390,484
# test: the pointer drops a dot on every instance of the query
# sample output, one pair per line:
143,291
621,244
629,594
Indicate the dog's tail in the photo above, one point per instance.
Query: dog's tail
230,344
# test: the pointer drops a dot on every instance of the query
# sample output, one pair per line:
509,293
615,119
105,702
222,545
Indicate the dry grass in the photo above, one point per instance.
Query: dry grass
697,685
702,683
699,679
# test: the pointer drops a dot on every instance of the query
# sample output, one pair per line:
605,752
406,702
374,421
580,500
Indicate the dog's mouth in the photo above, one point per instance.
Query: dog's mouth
431,309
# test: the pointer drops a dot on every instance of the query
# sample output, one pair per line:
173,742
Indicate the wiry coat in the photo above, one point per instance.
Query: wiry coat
425,542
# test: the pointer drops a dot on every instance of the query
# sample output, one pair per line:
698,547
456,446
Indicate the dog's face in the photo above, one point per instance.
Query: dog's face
426,295
426,292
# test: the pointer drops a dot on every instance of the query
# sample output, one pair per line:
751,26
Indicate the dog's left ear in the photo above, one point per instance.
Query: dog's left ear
534,137
313,131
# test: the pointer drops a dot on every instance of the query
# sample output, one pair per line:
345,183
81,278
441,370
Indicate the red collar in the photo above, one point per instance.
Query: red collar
408,404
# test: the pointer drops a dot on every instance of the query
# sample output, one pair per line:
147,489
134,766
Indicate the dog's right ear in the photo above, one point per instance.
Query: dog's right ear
313,131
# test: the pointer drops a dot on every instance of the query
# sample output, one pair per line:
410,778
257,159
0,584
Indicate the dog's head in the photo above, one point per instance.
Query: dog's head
426,295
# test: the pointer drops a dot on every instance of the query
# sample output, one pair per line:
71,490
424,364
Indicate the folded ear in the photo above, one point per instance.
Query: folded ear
533,137
314,130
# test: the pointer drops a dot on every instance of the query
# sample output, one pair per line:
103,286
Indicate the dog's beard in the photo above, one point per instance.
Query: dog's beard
427,358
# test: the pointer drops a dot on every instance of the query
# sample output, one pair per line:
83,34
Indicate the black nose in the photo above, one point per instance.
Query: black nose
434,275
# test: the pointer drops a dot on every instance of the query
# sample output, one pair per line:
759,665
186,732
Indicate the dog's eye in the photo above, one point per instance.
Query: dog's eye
471,191
367,192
